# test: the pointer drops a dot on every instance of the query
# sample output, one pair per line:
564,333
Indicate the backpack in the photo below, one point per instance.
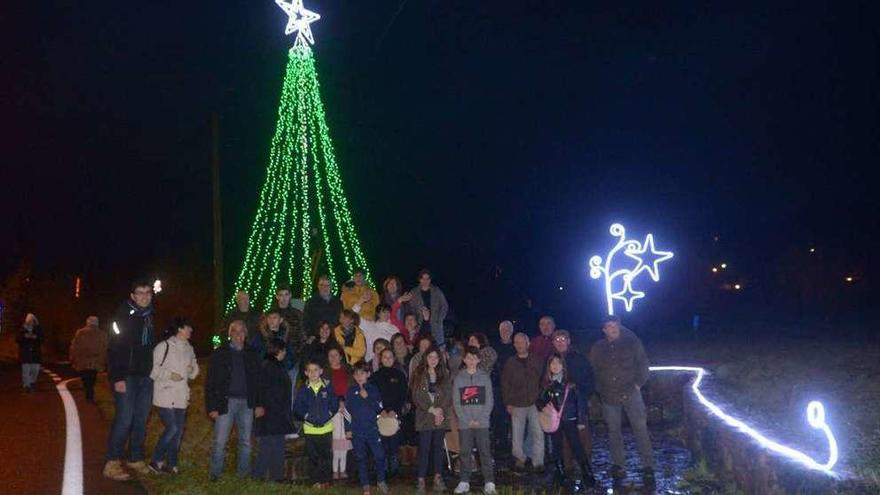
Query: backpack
550,417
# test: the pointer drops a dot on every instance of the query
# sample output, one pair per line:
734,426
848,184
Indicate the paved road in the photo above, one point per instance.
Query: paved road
33,432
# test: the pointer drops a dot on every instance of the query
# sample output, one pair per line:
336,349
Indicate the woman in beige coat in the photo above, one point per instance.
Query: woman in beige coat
174,363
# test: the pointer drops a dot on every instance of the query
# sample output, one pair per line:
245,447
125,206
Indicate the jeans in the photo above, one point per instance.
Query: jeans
480,438
319,452
392,446
635,411
168,445
242,417
88,378
293,374
519,419
130,420
430,444
500,420
29,374
363,444
270,458
568,430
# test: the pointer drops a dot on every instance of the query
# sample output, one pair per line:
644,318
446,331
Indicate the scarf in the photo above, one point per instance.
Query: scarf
147,315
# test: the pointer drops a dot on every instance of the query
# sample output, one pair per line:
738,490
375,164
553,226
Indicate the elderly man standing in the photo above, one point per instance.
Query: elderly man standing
321,307
500,418
88,354
621,368
520,385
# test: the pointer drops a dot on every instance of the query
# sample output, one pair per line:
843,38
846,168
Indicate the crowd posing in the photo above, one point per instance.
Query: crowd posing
370,372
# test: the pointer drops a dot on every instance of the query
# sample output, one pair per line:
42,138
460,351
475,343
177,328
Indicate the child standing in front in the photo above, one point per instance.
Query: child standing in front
340,379
472,400
315,404
431,389
364,403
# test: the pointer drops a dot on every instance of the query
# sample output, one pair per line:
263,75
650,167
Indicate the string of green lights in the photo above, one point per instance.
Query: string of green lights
302,201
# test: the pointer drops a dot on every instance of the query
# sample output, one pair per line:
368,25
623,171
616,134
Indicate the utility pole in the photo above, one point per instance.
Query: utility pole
217,221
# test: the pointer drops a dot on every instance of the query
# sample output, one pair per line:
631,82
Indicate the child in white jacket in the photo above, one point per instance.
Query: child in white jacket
174,364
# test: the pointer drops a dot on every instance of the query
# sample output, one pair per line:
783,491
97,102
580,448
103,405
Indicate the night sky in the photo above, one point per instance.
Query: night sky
471,135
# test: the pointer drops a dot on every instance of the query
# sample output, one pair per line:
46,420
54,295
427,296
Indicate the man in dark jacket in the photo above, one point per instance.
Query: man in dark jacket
129,363
520,385
322,306
244,312
500,418
621,370
232,398
30,343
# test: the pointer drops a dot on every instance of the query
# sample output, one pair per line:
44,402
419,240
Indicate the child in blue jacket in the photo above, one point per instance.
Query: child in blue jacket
364,404
316,404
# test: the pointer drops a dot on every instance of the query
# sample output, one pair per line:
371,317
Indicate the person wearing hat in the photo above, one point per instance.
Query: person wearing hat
88,354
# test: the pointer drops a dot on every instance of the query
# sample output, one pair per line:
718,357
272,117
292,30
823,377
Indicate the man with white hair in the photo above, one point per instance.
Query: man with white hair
500,418
520,384
88,354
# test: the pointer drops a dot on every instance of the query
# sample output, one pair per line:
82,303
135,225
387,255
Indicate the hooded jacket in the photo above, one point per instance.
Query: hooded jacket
273,394
130,349
173,355
472,398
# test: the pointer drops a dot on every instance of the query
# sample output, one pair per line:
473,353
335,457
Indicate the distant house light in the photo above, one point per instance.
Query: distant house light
737,286
723,266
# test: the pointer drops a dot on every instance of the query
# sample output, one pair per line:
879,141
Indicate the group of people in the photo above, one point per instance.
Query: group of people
369,372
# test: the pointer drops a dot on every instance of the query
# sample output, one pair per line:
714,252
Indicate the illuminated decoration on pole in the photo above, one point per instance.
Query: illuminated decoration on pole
646,259
815,418
303,217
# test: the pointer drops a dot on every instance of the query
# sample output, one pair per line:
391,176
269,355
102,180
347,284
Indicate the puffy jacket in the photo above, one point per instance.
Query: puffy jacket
220,374
130,350
273,394
351,297
88,349
620,366
354,347
318,309
423,401
173,356
30,343
363,411
316,408
555,393
392,387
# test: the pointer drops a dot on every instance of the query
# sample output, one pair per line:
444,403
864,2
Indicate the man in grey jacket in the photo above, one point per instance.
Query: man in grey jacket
621,368
472,401
429,303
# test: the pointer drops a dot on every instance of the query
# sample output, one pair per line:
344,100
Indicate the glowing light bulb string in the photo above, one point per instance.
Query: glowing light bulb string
815,418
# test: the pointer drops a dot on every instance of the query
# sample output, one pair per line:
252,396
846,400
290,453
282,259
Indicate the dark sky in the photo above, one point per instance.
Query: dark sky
469,133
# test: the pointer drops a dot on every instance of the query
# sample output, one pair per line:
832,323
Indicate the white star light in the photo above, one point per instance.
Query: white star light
299,20
628,294
653,257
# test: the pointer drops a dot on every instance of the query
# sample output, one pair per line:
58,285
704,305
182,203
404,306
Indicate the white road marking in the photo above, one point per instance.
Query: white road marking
73,458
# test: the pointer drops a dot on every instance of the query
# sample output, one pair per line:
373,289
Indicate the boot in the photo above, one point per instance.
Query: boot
113,470
587,474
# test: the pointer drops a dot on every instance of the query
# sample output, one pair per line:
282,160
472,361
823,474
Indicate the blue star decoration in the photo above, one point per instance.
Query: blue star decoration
299,20
628,294
648,258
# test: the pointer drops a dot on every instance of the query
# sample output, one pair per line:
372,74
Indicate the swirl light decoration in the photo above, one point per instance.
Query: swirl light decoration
815,418
645,258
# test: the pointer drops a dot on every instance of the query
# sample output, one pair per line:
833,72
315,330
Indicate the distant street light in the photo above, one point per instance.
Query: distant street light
812,250
849,279
737,286
723,266
714,269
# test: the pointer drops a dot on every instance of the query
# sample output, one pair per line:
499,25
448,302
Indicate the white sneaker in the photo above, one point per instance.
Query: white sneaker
462,487
489,488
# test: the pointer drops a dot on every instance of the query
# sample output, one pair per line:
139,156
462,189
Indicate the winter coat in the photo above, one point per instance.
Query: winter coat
363,411
130,348
392,388
173,356
317,351
374,330
88,349
472,398
351,297
318,309
423,401
316,408
521,381
555,393
439,308
355,348
30,343
251,319
620,366
220,375
293,318
581,373
273,394
504,352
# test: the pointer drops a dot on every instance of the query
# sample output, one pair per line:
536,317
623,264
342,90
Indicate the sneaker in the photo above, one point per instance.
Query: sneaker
383,488
367,491
156,468
140,467
170,469
113,470
420,487
489,488
439,484
463,487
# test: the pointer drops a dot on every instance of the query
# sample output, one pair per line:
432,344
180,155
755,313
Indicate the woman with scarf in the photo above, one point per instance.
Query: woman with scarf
350,337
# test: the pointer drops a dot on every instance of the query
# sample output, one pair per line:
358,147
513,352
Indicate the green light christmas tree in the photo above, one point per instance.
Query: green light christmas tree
303,224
